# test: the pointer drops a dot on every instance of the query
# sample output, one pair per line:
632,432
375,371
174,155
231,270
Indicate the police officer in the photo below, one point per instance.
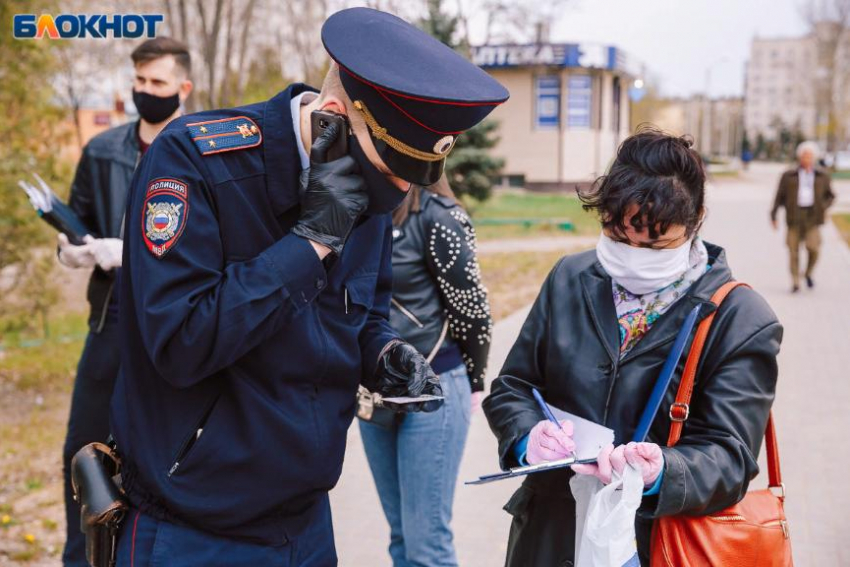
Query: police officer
98,197
256,295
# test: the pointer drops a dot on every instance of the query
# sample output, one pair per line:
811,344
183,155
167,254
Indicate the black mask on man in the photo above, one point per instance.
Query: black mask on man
155,109
384,196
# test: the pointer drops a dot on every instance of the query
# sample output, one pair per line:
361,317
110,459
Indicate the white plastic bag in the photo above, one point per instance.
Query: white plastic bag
605,519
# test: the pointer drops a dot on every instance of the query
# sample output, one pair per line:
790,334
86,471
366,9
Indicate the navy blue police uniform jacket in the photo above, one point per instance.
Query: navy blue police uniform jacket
241,352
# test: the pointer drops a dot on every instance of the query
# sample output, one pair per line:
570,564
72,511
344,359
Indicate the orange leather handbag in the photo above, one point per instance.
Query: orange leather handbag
753,532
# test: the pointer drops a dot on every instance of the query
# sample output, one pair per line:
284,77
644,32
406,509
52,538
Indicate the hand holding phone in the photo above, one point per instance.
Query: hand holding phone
320,120
334,194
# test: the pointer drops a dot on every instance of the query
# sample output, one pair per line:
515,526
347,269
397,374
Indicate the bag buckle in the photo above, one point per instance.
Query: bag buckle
681,415
781,488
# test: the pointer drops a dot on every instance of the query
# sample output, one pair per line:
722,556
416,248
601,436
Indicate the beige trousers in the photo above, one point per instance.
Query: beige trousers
807,231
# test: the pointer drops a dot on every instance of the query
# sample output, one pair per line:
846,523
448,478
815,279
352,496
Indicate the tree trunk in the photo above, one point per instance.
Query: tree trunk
247,20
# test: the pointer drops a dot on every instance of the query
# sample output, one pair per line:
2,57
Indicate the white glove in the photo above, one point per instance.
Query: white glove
107,252
76,256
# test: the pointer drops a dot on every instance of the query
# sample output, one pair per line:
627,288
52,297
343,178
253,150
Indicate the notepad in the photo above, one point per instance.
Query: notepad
590,437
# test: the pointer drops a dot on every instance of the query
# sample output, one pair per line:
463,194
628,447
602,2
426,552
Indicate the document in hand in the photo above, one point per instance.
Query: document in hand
590,439
54,212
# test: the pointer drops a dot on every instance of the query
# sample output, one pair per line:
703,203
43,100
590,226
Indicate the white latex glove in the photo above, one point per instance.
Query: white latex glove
107,252
75,256
475,401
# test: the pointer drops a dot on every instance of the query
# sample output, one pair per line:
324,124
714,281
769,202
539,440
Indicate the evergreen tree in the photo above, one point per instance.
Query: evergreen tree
470,168
29,142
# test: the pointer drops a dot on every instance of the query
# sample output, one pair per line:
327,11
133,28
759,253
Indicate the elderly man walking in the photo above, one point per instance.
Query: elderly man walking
806,194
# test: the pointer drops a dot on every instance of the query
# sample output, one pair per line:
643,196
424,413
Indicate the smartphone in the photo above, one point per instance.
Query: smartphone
321,119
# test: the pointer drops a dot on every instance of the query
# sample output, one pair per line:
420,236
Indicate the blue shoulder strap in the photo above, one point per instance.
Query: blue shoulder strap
663,381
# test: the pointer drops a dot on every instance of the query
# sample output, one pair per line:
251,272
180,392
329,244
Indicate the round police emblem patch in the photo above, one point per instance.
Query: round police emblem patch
164,214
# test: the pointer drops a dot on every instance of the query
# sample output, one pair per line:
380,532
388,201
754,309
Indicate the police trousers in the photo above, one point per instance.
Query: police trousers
88,422
148,542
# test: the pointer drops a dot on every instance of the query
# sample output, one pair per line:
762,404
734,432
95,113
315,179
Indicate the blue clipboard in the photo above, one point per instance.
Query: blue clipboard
530,469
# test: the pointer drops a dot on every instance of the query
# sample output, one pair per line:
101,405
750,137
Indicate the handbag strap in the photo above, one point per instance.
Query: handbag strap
680,410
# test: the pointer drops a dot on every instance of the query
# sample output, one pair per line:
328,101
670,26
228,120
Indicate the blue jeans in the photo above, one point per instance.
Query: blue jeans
415,467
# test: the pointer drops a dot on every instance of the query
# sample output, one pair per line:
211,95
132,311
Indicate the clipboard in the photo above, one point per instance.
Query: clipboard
590,438
530,469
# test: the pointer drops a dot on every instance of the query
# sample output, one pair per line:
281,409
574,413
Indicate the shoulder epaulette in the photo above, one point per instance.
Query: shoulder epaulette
225,134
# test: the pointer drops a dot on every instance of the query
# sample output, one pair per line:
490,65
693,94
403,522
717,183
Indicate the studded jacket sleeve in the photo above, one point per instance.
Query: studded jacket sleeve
451,256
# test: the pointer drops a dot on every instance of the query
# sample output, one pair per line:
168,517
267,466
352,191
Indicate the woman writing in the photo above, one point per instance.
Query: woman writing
595,342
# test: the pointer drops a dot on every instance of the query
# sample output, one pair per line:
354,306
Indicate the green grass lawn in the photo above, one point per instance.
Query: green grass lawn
553,208
36,378
842,222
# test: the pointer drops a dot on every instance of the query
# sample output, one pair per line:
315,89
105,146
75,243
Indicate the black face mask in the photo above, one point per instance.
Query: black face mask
384,196
155,109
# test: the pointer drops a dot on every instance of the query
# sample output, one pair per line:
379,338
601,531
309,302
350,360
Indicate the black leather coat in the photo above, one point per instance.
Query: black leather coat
569,349
99,197
438,296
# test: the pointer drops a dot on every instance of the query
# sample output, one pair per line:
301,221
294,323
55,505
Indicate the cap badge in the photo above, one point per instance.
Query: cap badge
444,144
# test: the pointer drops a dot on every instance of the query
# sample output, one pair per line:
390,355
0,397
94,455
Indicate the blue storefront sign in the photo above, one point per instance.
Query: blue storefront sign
582,55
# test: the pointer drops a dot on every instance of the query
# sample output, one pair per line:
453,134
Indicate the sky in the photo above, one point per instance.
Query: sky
678,40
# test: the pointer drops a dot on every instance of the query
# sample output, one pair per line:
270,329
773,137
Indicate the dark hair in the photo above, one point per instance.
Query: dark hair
412,203
160,47
661,174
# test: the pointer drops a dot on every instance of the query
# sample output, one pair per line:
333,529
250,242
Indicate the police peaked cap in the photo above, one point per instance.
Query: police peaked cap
415,94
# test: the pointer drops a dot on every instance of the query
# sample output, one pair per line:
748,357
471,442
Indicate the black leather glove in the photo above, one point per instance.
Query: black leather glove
334,196
403,371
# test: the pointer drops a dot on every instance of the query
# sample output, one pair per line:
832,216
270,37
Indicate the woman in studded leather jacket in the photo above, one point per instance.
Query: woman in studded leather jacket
440,306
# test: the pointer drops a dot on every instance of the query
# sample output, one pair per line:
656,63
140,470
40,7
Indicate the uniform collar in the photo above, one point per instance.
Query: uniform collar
280,147
295,108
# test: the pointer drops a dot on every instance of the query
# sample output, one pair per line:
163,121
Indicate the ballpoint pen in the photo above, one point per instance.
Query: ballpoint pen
548,413
545,407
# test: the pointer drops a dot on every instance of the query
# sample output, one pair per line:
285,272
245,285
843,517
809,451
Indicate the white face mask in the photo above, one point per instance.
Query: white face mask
643,270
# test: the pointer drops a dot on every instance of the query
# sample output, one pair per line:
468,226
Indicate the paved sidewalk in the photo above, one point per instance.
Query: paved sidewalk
813,390
811,406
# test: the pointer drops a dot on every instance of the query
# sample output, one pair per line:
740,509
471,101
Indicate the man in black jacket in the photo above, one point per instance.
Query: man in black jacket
98,197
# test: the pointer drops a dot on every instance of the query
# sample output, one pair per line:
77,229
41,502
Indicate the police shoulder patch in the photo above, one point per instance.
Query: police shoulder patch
225,135
164,214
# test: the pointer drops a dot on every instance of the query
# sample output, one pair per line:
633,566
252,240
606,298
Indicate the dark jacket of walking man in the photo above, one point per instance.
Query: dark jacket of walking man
806,194
256,296
98,197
